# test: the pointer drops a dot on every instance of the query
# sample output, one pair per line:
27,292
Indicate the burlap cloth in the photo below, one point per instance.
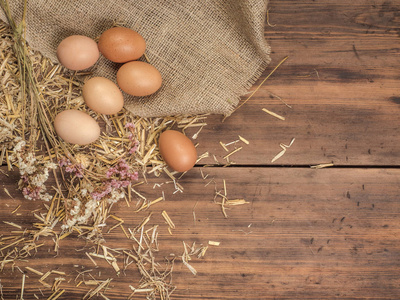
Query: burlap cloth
208,52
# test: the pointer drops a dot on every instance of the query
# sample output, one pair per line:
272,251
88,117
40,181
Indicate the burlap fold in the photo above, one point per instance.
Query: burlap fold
208,52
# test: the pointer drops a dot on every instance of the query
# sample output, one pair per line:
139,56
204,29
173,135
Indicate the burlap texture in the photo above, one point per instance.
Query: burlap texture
208,52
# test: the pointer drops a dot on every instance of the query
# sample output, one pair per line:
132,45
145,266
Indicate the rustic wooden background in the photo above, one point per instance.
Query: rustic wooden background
305,233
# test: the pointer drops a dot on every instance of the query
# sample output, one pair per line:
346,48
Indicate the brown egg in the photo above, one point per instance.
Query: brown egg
76,127
103,96
78,52
138,78
177,150
121,44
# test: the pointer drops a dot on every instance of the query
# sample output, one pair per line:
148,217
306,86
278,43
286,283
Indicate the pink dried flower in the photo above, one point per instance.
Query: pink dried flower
25,178
119,176
25,191
79,171
64,162
134,147
110,172
133,176
101,194
121,170
130,125
125,183
69,169
76,169
131,137
115,183
123,165
32,193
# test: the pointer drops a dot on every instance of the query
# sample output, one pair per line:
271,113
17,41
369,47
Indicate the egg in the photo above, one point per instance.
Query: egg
78,52
138,78
121,44
177,150
76,127
103,96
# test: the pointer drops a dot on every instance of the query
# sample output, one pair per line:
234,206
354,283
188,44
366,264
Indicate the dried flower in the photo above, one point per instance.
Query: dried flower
130,125
131,137
75,169
78,214
135,147
118,177
33,173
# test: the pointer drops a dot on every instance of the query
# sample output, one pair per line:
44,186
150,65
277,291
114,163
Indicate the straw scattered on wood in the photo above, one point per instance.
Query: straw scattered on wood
284,148
224,200
168,220
269,24
273,114
322,166
280,99
189,252
154,282
214,243
233,152
34,271
100,286
244,140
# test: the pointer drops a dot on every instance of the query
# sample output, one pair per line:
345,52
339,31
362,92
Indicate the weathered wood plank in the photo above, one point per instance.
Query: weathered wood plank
312,234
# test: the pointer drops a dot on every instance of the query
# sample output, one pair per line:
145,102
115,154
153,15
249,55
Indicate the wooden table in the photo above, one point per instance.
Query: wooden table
306,233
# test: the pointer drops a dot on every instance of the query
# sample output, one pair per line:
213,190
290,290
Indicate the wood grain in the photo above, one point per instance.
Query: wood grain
305,234
310,234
